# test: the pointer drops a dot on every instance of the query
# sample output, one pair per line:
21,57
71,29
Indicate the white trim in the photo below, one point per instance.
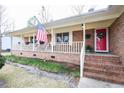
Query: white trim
107,43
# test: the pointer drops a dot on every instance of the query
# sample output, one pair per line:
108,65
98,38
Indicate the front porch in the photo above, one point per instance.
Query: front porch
68,39
66,46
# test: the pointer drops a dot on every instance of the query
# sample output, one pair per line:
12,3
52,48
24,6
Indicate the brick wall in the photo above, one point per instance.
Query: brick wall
49,37
117,37
78,36
26,39
90,41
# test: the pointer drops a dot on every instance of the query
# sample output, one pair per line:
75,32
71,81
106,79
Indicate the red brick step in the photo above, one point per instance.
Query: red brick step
103,71
105,67
104,77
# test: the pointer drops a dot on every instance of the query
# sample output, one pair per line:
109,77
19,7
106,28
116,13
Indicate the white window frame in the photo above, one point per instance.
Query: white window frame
107,38
62,37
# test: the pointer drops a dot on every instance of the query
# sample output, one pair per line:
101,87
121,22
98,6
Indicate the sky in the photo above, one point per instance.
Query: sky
21,13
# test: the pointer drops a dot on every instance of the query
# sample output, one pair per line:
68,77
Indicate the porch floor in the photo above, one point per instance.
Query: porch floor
102,54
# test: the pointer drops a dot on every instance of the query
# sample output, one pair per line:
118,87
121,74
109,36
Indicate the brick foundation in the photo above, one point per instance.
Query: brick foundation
59,57
69,58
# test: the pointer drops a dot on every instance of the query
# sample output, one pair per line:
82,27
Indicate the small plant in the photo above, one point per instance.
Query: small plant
2,61
88,36
88,48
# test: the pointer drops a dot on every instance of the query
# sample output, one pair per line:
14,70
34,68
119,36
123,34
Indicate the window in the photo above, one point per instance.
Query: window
62,37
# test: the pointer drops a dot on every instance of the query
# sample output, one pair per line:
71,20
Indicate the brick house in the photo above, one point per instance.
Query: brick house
103,33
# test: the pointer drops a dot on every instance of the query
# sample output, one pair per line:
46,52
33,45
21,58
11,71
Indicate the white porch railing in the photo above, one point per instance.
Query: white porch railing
74,47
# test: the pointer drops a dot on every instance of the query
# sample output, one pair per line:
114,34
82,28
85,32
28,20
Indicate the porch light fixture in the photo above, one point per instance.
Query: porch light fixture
82,26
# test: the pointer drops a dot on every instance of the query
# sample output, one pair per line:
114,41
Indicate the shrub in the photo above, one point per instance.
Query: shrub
88,48
2,61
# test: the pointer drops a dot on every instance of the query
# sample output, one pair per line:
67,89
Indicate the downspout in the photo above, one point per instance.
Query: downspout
82,54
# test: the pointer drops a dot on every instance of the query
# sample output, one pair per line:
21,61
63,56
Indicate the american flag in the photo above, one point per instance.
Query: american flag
41,34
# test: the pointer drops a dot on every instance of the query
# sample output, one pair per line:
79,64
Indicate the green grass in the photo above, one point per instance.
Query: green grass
49,66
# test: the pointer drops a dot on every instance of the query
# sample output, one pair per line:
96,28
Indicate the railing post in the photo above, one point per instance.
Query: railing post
33,42
52,39
82,55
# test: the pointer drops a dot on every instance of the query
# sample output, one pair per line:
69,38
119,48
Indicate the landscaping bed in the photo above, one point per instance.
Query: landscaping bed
49,66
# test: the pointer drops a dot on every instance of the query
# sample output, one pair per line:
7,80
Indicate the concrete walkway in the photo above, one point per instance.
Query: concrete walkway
92,83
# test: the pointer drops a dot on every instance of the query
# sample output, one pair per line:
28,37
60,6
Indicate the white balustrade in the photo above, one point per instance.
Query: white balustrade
74,47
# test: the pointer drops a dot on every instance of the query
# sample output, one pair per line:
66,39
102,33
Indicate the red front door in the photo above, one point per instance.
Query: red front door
101,36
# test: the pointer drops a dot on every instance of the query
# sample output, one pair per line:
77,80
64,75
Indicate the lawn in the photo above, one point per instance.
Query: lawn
49,66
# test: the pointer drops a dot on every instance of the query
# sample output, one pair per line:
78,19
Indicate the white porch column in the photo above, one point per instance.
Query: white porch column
33,41
52,41
82,55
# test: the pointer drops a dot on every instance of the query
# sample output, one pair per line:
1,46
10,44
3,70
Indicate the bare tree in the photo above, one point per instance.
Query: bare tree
2,10
43,16
5,24
77,9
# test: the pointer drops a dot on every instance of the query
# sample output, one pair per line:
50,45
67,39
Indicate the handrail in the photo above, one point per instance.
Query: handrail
82,59
82,54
